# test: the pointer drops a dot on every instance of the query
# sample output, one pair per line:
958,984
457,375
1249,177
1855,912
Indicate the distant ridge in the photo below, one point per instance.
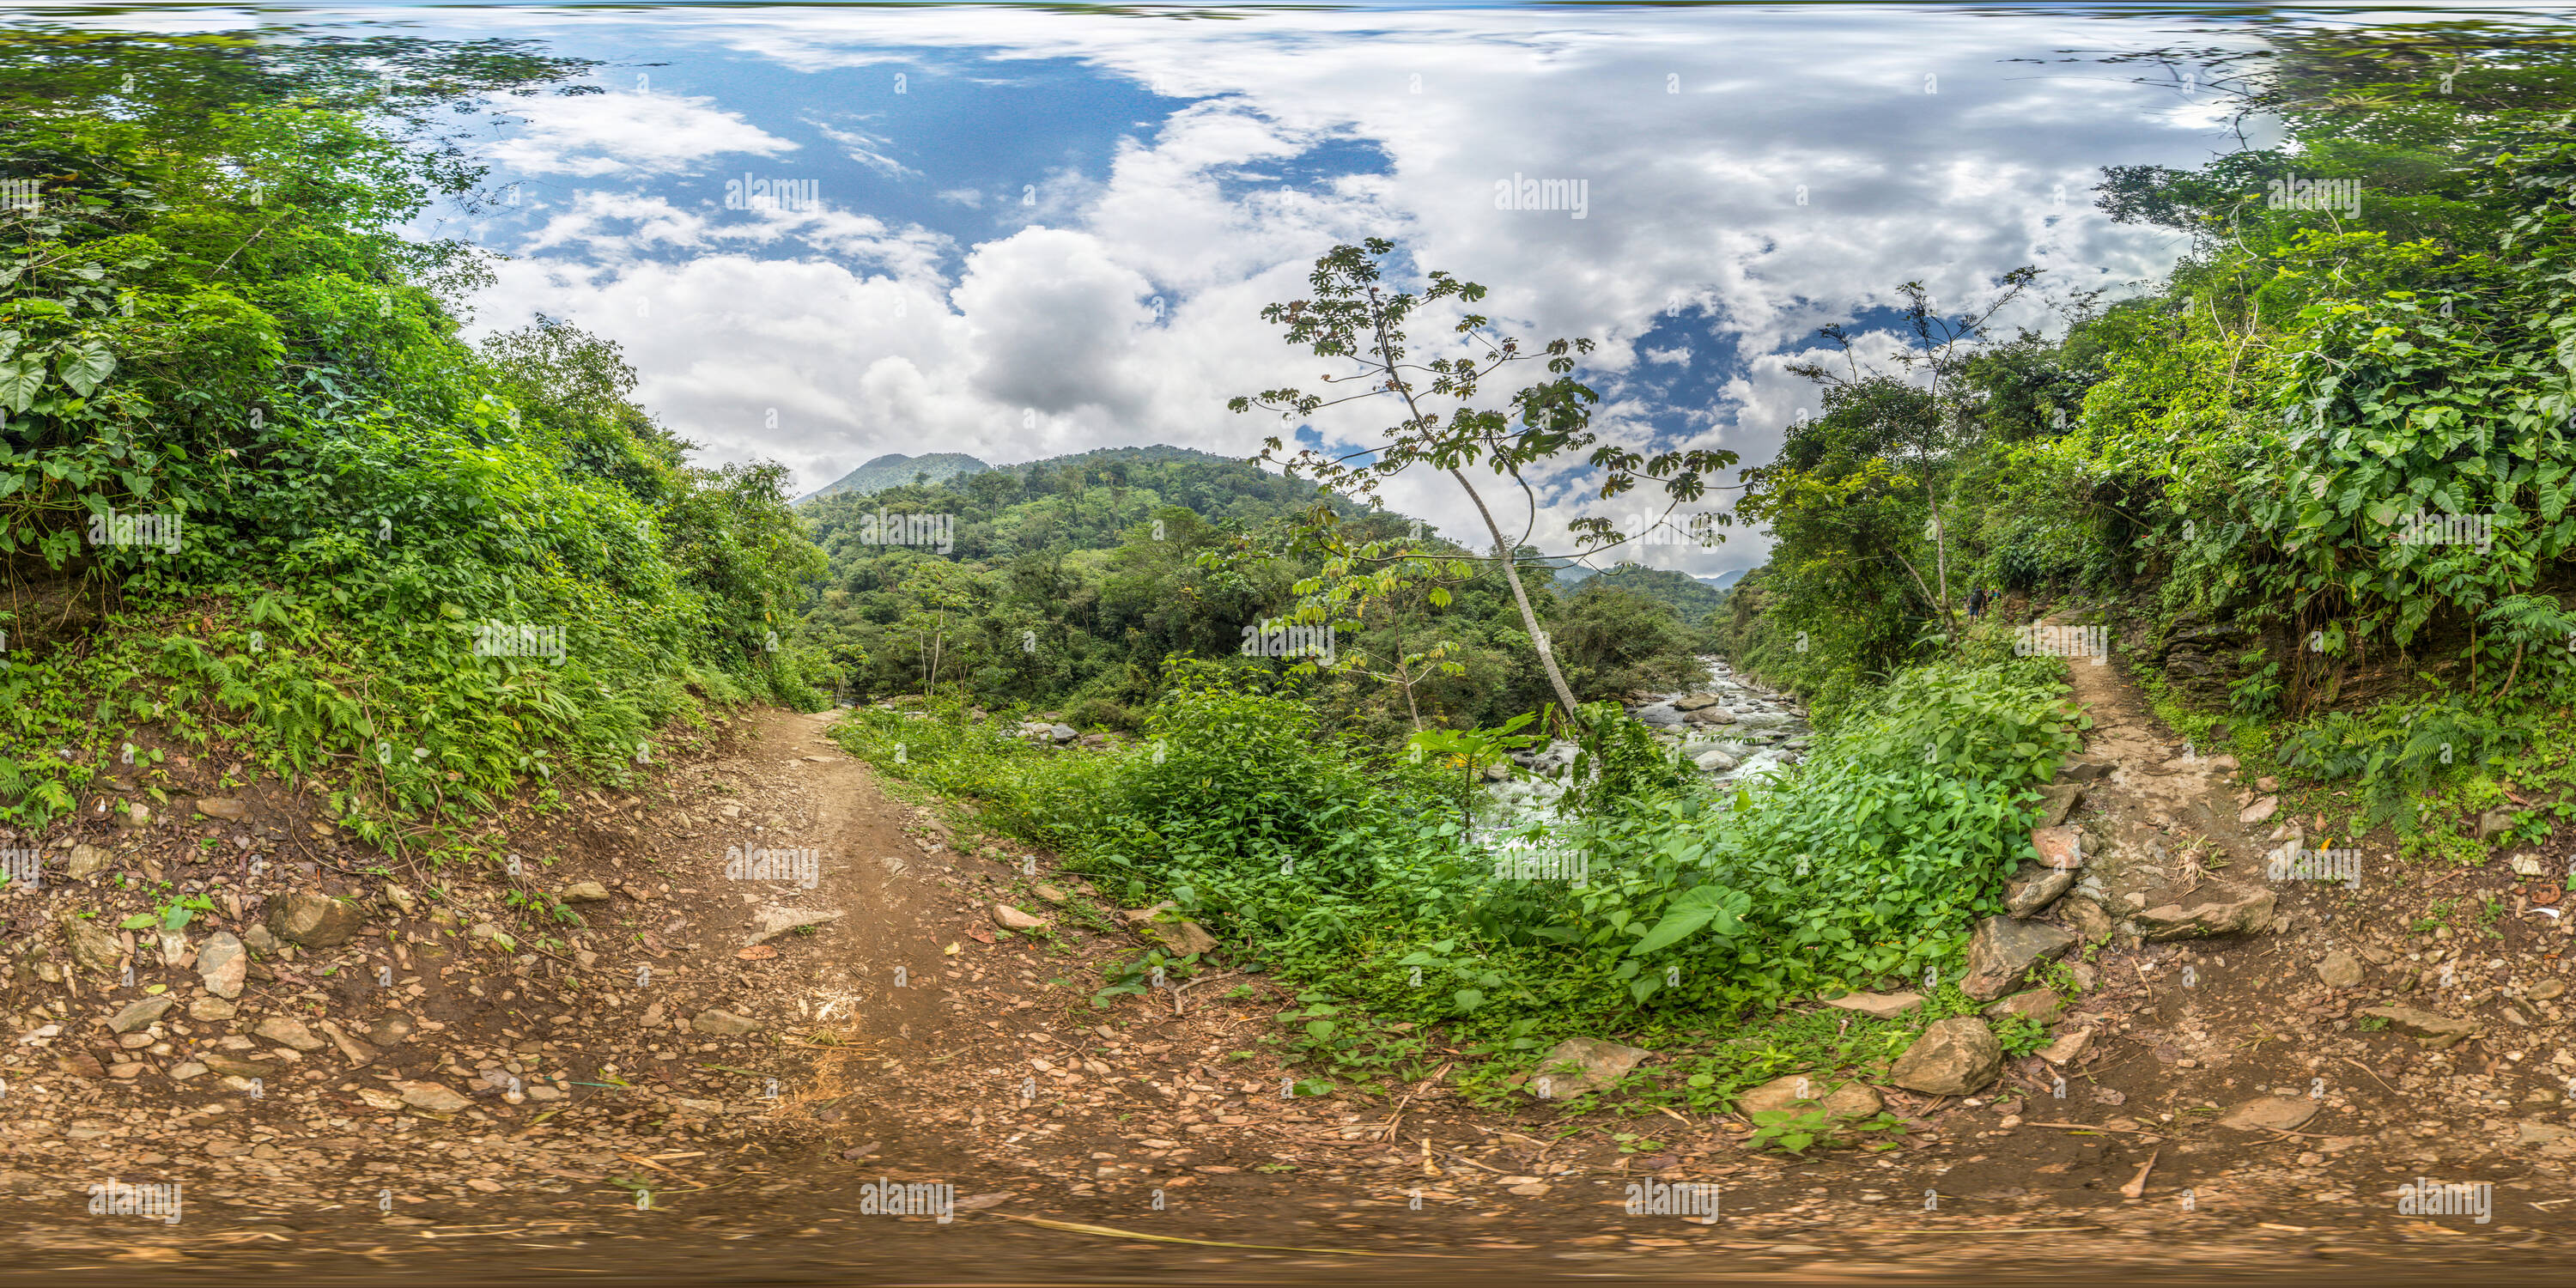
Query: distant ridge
895,470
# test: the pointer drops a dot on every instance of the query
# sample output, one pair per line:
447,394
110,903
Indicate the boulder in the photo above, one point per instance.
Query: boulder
1850,1100
2223,910
1882,1006
1695,702
1582,1065
2003,949
2340,969
2034,888
223,964
1953,1058
314,919
1715,761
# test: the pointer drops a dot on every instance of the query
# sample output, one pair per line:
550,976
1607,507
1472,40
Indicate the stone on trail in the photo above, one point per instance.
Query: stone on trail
2086,918
1010,918
2003,949
2436,1031
432,1097
2270,1113
2057,800
770,923
223,964
141,1014
2069,1047
2040,1005
231,1067
1880,1006
91,945
390,1031
2260,811
2035,888
2233,910
1953,1058
1053,895
2084,771
724,1023
355,1051
314,919
1600,1064
585,892
224,808
86,861
287,1033
2059,847
211,1009
2340,969
1850,1100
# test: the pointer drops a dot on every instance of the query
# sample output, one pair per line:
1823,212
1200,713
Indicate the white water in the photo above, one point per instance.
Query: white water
1768,732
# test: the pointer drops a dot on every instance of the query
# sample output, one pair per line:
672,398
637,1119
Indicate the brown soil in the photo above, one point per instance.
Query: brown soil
989,1069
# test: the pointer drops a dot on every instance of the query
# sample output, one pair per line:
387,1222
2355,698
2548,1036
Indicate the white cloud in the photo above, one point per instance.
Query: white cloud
626,132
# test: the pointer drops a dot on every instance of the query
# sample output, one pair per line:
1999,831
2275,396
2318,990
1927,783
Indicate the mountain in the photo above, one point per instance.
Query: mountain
895,470
1692,597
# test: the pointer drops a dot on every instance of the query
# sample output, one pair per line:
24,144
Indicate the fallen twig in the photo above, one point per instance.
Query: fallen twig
1111,1232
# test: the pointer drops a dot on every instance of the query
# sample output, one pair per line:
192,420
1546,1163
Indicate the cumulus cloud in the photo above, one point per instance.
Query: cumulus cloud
626,132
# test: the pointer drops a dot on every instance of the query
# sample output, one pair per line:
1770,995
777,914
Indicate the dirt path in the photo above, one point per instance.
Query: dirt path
989,1070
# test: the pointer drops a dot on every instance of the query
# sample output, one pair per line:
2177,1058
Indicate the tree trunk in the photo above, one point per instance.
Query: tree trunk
1529,616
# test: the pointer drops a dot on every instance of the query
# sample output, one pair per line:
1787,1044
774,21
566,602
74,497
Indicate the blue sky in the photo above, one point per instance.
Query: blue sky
1045,232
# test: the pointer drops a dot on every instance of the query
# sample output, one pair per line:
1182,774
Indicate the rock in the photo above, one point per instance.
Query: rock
185,1070
1714,761
2059,847
235,1068
2039,1004
2057,800
212,1010
258,940
390,1031
1850,1100
432,1097
1883,1006
2260,811
2436,1031
287,1033
2525,865
2236,910
174,947
724,1023
1695,702
137,818
772,922
585,892
2494,822
222,807
402,900
1953,1058
1183,937
91,945
355,1051
86,862
2069,1047
2085,918
2340,970
2003,949
2267,783
2085,771
2546,989
1052,894
1010,918
222,964
2270,1113
313,919
1597,1064
2532,1131
1063,733
2034,888
141,1014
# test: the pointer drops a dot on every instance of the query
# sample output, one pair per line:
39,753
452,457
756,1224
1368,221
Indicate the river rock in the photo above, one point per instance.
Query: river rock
1881,1006
1850,1100
222,964
314,919
1715,761
2003,949
1598,1064
2233,910
1953,1058
1695,702
2034,888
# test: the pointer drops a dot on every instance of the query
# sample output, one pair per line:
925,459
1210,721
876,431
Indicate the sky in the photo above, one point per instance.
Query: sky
1019,233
